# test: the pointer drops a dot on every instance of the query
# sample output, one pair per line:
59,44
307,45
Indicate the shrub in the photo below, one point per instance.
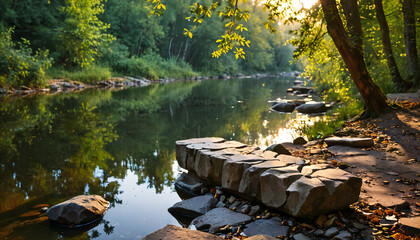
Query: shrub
18,65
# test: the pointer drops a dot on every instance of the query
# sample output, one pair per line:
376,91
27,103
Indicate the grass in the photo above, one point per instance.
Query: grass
332,121
154,67
91,75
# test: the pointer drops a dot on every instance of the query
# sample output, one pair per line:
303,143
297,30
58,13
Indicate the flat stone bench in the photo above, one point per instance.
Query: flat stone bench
281,182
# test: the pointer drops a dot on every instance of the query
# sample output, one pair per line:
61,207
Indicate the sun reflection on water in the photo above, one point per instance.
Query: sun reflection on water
288,133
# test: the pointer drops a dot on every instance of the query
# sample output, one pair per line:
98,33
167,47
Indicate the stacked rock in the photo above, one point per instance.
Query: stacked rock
282,182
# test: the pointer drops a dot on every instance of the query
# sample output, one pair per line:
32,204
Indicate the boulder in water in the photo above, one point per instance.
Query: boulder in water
82,209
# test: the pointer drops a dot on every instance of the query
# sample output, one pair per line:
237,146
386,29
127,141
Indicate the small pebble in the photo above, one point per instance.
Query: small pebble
232,199
267,215
204,190
331,232
301,236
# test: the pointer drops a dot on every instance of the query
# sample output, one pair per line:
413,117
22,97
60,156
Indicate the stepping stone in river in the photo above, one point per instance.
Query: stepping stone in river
220,217
194,207
283,107
315,107
271,227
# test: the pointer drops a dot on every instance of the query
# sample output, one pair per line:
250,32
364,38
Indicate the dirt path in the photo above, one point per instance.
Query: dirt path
391,169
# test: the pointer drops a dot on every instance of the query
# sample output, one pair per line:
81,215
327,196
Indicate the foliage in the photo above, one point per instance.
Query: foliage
91,75
333,120
19,65
329,74
82,33
154,67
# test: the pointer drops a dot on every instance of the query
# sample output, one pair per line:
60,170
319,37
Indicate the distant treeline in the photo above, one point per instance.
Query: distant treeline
120,35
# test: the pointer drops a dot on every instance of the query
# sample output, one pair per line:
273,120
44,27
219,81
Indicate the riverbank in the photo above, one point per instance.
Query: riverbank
67,85
389,203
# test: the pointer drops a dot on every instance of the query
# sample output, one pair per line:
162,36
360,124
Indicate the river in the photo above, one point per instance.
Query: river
120,144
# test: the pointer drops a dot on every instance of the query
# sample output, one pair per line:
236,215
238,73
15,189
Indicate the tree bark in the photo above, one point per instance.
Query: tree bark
375,101
400,84
410,40
354,25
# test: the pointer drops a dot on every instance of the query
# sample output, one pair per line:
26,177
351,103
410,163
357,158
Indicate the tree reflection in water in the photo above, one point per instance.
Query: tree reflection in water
53,147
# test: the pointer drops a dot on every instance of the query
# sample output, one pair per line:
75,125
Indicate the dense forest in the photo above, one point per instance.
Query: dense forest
120,37
63,38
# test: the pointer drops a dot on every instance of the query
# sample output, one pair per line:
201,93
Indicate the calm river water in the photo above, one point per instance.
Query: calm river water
120,144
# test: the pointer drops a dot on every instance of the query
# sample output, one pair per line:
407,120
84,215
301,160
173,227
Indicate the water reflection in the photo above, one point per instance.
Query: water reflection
120,145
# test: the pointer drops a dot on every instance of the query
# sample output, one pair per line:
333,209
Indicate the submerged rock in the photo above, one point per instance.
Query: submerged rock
78,210
220,217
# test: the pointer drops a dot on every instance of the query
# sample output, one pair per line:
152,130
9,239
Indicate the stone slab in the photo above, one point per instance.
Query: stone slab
250,182
410,225
274,183
346,151
271,227
277,180
220,217
171,232
194,207
262,237
234,168
351,142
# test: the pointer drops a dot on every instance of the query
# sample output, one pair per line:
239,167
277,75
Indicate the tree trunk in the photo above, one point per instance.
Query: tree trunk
354,25
400,84
375,101
410,40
